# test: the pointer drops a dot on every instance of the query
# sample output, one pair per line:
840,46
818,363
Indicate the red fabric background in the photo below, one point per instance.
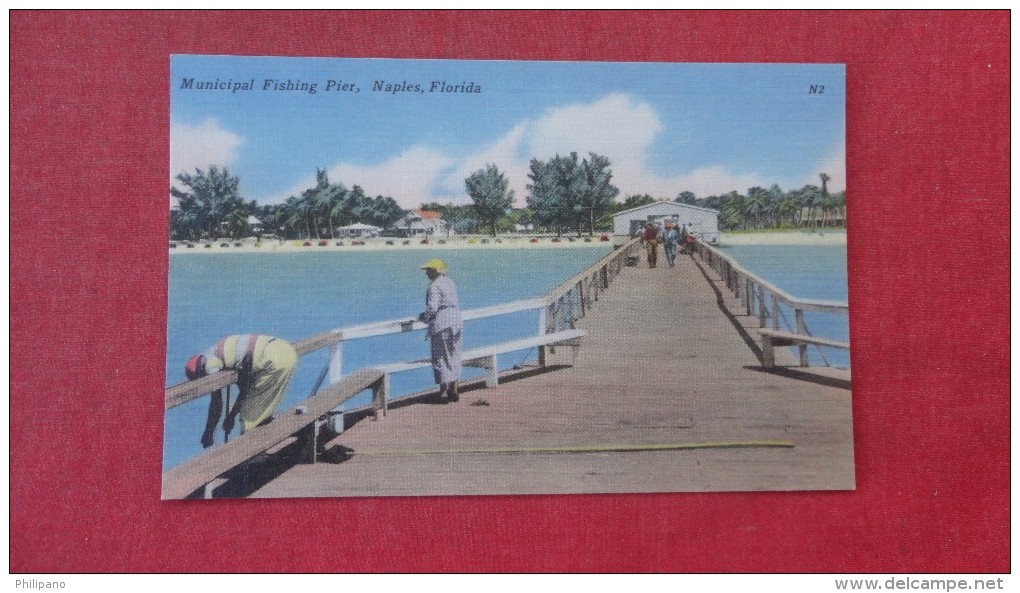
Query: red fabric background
928,177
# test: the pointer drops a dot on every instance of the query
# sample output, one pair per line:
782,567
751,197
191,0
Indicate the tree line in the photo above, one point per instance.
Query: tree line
762,208
211,206
323,208
773,208
566,194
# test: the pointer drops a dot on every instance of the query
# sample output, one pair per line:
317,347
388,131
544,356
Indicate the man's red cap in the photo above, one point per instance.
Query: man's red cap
195,367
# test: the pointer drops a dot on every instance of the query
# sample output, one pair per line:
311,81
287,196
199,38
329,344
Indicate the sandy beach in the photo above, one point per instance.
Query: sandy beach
250,245
797,237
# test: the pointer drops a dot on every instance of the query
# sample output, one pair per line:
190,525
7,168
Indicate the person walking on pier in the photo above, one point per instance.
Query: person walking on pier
442,314
686,241
264,365
650,239
672,242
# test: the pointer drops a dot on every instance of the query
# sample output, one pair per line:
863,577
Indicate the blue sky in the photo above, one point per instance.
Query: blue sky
706,128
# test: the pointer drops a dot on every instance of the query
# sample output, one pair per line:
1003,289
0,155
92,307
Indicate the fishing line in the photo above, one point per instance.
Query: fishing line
322,377
527,355
226,414
806,331
581,448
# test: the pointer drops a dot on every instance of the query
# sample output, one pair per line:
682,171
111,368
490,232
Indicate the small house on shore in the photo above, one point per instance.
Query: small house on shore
702,222
421,223
255,225
822,217
359,230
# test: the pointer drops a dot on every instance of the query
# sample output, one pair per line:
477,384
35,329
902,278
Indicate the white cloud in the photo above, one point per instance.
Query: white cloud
199,146
504,154
408,178
704,182
616,125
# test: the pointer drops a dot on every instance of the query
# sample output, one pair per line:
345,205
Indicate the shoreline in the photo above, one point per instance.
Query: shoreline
380,244
793,237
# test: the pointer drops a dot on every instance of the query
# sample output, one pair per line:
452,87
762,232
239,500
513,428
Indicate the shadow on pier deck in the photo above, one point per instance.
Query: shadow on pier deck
667,395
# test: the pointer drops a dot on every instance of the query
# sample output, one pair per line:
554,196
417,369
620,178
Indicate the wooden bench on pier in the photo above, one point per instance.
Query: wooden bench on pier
206,469
771,338
486,357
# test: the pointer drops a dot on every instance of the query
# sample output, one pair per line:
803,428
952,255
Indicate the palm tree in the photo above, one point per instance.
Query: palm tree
208,198
358,205
385,212
236,219
324,199
755,205
787,209
732,210
296,214
184,223
811,198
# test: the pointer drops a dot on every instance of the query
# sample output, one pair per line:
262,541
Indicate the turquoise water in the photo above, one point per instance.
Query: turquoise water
298,295
294,296
809,272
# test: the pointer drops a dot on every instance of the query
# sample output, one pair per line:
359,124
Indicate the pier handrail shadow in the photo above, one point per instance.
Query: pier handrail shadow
762,298
203,469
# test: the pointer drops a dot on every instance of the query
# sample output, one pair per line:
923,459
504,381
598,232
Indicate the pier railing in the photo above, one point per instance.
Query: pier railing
761,298
559,310
572,299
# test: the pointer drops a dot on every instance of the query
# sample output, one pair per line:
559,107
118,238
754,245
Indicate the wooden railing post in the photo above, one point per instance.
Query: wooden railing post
775,311
761,305
802,330
749,295
556,311
336,362
570,307
753,287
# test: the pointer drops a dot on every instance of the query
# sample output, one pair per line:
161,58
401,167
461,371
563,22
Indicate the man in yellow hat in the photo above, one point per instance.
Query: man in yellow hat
442,314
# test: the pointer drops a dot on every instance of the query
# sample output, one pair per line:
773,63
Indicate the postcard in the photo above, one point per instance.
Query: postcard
395,277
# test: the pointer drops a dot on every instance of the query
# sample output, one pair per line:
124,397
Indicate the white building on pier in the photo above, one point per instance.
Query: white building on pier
702,222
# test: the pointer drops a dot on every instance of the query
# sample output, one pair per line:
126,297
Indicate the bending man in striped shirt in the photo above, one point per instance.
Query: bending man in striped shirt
264,365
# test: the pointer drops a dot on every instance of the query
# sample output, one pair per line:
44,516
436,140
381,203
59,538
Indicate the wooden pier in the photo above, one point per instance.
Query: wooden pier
667,393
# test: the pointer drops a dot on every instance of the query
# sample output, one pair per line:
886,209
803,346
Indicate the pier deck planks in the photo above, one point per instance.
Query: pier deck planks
661,364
